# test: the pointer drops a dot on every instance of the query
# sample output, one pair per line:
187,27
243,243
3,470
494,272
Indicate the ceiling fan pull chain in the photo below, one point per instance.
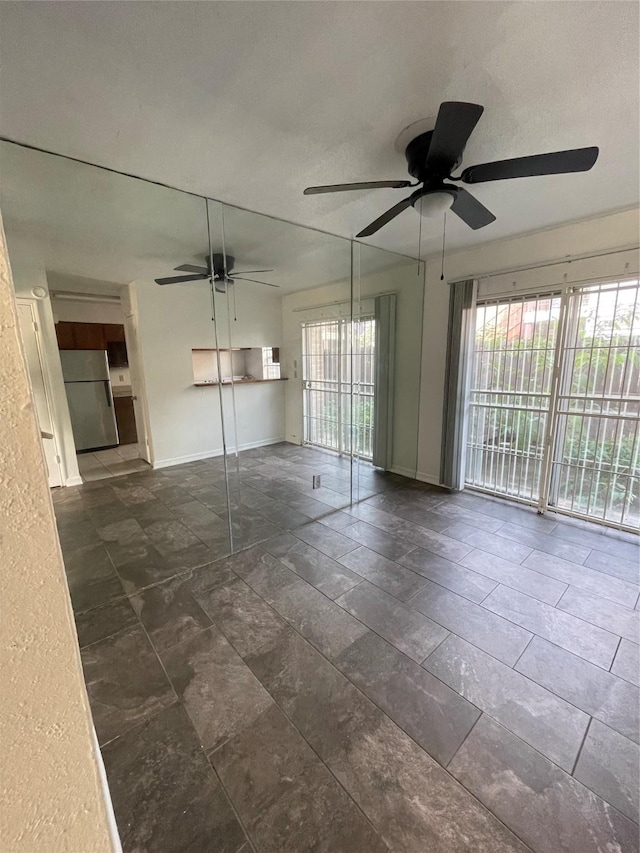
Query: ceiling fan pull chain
420,237
233,290
444,231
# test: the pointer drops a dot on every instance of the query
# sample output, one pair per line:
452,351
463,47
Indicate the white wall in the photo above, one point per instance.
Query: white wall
402,280
184,421
599,235
50,785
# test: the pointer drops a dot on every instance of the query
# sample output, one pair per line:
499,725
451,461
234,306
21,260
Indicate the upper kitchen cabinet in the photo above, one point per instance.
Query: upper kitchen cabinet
115,344
109,336
113,333
64,333
80,335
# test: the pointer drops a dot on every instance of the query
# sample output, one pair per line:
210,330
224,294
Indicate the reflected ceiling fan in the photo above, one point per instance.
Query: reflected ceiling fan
221,273
433,156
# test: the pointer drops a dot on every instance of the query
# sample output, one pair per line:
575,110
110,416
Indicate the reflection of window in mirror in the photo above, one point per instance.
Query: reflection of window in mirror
271,362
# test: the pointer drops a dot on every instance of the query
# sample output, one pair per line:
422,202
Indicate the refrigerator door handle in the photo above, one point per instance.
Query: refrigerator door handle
107,392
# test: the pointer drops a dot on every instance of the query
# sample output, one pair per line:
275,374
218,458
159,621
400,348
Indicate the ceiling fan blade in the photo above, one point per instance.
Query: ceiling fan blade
386,217
192,268
246,272
365,185
255,281
470,210
176,279
454,125
556,163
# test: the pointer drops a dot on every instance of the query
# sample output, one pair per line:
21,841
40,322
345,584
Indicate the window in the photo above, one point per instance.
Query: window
271,362
338,357
554,404
510,394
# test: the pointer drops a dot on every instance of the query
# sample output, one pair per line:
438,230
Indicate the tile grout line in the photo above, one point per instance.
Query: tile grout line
464,740
582,743
615,655
515,664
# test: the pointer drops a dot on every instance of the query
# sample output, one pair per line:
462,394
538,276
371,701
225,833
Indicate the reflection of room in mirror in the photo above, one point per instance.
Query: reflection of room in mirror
71,226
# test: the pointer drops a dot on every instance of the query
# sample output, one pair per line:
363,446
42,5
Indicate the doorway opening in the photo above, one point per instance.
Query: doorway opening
554,407
90,331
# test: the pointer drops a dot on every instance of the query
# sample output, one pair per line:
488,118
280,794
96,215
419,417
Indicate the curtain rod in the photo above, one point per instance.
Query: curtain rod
569,259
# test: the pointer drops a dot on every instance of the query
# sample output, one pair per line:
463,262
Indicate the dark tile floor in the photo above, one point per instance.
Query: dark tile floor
418,672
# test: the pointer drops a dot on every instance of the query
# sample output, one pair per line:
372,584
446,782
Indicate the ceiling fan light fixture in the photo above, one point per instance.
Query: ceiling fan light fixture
433,205
221,283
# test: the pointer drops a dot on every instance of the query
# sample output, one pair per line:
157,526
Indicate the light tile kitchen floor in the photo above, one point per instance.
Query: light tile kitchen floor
420,671
113,462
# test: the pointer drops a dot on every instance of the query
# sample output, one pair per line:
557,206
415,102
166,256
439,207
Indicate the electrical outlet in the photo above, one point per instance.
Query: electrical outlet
121,377
316,481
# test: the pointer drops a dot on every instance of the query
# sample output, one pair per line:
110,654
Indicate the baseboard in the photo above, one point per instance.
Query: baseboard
403,472
431,479
73,481
210,454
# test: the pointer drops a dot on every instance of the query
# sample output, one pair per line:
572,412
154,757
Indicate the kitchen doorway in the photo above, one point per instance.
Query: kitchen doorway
90,330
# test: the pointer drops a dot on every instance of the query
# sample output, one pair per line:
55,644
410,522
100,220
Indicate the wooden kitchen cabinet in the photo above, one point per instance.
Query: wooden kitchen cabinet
80,335
64,333
109,336
88,336
113,333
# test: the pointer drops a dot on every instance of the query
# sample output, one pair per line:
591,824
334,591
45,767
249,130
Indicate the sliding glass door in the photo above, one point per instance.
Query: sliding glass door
338,355
595,449
511,394
554,402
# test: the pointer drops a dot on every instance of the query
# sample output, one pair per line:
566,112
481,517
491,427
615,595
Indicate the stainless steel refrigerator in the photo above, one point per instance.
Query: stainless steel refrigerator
88,387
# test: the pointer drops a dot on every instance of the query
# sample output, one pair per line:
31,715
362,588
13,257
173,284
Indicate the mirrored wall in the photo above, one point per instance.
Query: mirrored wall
251,377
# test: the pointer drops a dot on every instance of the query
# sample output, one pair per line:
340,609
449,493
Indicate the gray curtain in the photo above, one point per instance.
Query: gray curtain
385,316
462,298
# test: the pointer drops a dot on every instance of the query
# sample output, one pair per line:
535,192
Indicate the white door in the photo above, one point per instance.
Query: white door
30,339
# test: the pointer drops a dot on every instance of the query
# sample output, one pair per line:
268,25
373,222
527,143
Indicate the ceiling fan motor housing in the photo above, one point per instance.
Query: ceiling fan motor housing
416,154
219,264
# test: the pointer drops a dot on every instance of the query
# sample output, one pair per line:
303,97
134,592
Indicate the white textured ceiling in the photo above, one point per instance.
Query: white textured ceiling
249,102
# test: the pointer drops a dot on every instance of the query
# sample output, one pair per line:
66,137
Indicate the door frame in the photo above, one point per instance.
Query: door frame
129,304
32,305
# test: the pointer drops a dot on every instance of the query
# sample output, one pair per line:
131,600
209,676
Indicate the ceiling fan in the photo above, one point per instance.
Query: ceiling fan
221,273
433,156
